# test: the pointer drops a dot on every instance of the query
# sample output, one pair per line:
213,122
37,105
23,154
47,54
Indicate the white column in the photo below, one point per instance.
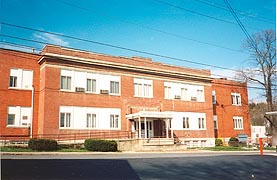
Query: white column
166,125
171,130
145,128
139,128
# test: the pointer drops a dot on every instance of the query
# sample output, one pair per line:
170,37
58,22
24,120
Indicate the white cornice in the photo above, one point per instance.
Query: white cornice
126,66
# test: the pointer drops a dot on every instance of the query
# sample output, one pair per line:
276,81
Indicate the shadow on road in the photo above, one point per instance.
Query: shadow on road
67,169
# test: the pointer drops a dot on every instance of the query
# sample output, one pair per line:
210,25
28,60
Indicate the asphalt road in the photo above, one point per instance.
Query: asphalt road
141,166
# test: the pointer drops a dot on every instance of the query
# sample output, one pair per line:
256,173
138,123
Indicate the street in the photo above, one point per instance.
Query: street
189,166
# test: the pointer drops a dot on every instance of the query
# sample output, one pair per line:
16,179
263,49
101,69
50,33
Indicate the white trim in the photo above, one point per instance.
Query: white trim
128,67
129,75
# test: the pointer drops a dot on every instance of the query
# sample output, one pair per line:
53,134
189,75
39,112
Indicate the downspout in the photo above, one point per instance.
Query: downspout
32,113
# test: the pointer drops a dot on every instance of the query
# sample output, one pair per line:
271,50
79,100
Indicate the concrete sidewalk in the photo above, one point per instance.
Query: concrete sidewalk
125,154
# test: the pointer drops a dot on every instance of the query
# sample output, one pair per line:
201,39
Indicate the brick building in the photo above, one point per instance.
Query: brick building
66,91
19,90
231,112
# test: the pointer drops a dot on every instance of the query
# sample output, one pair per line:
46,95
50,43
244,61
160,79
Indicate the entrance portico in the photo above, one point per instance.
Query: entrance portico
151,124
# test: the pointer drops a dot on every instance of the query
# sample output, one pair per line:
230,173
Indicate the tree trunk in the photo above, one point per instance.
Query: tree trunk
274,137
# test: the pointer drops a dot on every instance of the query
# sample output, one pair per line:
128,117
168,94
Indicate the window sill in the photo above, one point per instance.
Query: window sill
143,97
20,89
66,90
238,128
16,126
113,94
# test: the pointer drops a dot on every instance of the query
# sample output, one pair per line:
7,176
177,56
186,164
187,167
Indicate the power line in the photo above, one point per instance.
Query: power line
241,25
108,45
20,46
153,29
45,43
242,13
241,85
201,14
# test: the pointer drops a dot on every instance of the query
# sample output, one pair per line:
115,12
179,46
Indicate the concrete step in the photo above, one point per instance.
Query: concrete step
157,142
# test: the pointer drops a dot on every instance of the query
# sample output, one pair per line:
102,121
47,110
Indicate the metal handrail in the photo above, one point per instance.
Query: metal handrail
69,136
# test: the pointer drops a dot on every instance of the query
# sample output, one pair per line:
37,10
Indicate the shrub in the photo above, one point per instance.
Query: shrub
218,142
233,142
43,144
100,145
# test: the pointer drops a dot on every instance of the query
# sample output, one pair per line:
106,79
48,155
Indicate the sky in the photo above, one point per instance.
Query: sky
190,32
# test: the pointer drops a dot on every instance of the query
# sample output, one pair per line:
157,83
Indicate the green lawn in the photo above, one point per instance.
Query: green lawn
21,149
230,148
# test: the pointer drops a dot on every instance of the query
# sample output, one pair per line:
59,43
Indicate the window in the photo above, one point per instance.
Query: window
20,78
19,116
200,95
236,99
114,121
143,88
201,123
147,89
11,119
185,122
213,97
138,90
66,82
167,92
91,120
184,94
114,87
65,120
13,81
215,122
91,85
238,122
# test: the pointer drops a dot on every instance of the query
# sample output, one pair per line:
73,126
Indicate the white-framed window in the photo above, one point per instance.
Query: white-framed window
236,99
215,122
91,121
19,116
21,79
114,119
167,92
201,123
11,119
213,97
91,85
184,94
200,95
65,120
114,87
185,123
238,122
143,88
65,82
13,81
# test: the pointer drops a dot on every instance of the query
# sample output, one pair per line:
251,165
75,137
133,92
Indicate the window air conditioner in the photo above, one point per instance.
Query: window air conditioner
177,97
103,91
79,89
193,99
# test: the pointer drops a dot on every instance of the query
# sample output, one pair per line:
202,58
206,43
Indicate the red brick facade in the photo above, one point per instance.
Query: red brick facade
225,110
17,97
48,96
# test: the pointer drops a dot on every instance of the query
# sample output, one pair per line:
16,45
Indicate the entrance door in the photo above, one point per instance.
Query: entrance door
158,128
149,129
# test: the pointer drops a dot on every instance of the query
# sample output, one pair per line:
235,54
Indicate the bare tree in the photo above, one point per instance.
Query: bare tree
262,47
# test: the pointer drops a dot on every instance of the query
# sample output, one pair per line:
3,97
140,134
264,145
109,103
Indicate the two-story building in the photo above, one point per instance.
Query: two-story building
231,112
66,91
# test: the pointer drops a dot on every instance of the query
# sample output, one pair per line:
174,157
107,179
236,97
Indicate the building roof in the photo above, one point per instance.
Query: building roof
137,64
